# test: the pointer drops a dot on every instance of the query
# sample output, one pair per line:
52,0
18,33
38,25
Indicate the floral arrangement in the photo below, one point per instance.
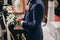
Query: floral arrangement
11,19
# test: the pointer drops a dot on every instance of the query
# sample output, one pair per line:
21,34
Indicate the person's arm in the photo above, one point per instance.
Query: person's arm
56,3
38,14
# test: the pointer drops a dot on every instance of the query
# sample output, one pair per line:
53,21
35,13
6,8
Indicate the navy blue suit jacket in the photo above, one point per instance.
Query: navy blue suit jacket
32,21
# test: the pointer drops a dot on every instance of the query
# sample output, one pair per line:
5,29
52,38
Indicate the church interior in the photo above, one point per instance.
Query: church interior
10,9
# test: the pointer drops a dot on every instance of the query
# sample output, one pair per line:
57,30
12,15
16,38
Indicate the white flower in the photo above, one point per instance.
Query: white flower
11,19
4,7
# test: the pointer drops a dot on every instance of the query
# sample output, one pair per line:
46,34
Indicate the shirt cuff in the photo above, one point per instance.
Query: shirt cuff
22,22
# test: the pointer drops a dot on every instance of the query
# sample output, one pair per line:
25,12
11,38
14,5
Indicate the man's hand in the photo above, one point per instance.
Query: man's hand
19,19
27,7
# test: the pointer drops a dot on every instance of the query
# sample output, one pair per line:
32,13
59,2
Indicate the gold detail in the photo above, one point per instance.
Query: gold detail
23,36
18,35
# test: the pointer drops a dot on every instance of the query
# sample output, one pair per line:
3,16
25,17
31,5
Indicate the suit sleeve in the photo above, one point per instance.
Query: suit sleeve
38,15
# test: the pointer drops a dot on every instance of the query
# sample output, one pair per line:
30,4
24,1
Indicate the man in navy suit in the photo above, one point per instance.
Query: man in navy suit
32,20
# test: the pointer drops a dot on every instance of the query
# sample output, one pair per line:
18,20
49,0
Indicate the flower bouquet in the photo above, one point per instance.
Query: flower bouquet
11,19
